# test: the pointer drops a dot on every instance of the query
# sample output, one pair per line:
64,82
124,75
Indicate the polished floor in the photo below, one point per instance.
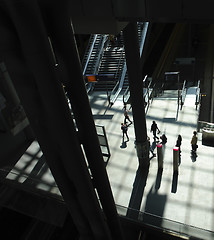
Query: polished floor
182,202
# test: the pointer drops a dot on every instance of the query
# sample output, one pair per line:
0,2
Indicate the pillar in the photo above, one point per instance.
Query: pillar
70,70
43,98
131,42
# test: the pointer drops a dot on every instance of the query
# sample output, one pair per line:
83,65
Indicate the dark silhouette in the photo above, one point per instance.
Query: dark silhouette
178,143
163,139
124,129
194,143
154,130
126,115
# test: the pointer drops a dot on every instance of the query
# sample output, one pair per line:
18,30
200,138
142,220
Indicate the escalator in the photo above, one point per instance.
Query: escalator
107,58
122,86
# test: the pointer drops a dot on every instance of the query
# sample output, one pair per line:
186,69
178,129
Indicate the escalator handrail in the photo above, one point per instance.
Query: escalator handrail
143,37
197,94
89,53
100,54
183,93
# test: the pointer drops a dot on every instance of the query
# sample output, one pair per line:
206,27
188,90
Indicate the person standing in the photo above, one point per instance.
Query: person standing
194,142
124,129
163,138
178,144
154,129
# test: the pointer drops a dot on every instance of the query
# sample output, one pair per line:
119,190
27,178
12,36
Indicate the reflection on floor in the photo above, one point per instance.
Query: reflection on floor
164,199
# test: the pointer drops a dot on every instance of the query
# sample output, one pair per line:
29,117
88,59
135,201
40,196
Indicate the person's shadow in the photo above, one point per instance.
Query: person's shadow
124,144
193,157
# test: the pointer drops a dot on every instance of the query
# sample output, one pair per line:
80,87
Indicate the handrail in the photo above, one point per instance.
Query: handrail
143,37
160,223
89,86
197,97
122,79
183,94
89,54
126,95
145,93
118,65
120,83
100,54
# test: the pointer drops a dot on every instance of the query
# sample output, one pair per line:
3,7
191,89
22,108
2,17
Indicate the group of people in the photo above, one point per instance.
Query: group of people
155,130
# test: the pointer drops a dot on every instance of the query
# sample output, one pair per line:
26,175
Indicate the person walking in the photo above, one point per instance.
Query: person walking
124,129
154,129
194,142
150,148
126,115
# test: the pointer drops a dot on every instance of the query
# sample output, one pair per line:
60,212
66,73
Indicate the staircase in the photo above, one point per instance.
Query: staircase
126,82
112,63
104,57
93,54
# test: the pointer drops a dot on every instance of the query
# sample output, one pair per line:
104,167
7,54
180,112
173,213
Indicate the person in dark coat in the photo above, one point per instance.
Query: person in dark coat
163,139
178,143
154,130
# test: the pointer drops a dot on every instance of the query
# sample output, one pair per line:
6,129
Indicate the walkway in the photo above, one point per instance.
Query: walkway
179,200
187,198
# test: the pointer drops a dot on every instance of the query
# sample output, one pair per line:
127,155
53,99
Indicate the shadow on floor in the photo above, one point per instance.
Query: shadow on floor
154,208
137,193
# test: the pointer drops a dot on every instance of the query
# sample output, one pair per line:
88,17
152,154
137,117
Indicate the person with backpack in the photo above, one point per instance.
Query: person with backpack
124,129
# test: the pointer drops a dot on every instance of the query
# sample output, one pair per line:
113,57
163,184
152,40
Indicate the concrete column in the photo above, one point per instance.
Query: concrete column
70,70
43,98
134,68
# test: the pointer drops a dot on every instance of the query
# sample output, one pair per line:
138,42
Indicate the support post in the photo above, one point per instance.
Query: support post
44,101
69,67
175,159
131,42
160,156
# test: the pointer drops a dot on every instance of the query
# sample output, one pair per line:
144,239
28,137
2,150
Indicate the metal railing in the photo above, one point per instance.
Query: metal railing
163,224
147,92
118,87
183,94
197,95
100,53
101,43
101,133
126,96
89,53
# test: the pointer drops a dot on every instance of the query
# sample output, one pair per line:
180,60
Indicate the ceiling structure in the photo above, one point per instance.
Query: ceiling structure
109,16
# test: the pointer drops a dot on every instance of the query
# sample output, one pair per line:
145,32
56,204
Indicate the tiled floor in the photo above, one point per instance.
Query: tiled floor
186,198
172,201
